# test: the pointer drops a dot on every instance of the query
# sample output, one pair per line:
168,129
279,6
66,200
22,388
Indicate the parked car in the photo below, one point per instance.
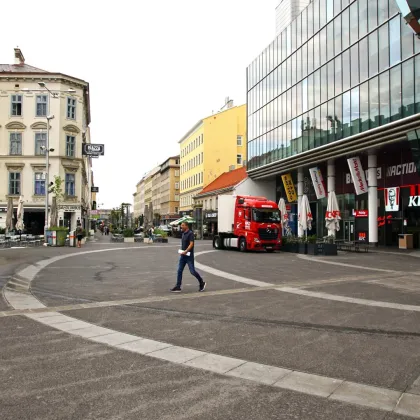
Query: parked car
167,229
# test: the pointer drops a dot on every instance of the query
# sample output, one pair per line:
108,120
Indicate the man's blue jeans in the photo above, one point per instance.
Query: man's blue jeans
183,261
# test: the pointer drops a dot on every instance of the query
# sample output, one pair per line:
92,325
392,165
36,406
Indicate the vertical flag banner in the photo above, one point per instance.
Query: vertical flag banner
318,182
289,187
358,175
392,199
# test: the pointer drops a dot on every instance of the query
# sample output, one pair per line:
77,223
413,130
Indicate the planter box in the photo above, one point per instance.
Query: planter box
129,240
313,249
327,249
303,248
61,237
294,248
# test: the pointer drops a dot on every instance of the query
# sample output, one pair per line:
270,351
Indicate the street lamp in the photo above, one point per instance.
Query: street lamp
47,170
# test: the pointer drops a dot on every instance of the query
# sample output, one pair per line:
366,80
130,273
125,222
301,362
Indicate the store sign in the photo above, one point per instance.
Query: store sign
289,187
358,176
318,182
362,236
94,189
414,201
211,215
93,149
392,199
361,213
69,208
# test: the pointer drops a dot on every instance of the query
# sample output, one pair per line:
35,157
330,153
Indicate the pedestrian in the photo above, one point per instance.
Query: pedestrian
151,234
79,234
187,258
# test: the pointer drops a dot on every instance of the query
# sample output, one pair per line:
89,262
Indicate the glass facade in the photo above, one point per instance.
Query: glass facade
336,71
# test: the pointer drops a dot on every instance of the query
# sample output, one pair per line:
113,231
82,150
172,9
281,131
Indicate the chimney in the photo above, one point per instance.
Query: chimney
19,58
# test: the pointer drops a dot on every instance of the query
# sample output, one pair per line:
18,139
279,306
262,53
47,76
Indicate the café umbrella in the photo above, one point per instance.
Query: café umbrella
284,217
333,215
305,215
9,215
20,226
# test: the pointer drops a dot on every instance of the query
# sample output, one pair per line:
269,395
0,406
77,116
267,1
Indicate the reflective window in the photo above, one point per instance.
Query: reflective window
394,41
299,98
304,26
283,46
331,122
331,76
316,15
345,28
407,39
345,3
289,108
330,43
364,62
310,91
310,55
317,126
363,23
337,7
322,13
338,75
305,60
299,64
395,93
310,19
305,95
337,34
293,34
382,11
408,88
384,98
393,8
355,111
374,102
364,107
372,14
317,87
373,54
383,47
324,83
311,129
288,40
293,103
323,45
324,124
289,72
299,31
293,68
330,10
316,52
346,70
354,23
338,117
354,62
417,82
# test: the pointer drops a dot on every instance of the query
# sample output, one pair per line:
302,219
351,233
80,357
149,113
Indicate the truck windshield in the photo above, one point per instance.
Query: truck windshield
265,216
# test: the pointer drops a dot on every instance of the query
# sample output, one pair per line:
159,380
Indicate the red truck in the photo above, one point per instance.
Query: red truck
247,223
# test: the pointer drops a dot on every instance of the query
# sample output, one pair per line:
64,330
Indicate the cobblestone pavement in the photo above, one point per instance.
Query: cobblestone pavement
275,336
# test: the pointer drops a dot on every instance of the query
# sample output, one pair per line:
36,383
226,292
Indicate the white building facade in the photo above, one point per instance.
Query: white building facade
24,107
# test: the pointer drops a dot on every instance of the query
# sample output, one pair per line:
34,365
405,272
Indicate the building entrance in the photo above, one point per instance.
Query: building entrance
348,231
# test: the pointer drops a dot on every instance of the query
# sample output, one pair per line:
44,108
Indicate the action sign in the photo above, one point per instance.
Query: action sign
94,189
289,187
358,176
318,182
93,149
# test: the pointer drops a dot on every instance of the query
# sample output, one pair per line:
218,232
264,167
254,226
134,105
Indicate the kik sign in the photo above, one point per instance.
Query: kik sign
414,201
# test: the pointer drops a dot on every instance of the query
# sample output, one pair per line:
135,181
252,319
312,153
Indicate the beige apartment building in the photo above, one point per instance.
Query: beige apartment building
159,187
27,96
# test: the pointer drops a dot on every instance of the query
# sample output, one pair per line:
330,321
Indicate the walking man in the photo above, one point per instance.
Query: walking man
187,245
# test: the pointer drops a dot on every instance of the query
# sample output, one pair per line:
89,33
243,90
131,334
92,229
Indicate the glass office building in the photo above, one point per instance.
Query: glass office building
342,79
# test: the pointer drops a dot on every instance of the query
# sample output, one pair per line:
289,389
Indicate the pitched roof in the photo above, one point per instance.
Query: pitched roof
226,180
19,68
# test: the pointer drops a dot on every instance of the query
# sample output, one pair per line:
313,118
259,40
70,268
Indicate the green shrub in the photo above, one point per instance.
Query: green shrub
160,232
59,228
2,231
128,233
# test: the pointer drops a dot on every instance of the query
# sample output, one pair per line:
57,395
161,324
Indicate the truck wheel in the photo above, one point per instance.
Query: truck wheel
242,245
217,243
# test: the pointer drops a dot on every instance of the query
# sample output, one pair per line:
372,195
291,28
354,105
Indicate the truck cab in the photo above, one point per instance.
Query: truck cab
248,223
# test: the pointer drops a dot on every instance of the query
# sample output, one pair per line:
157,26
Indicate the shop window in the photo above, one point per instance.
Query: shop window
417,82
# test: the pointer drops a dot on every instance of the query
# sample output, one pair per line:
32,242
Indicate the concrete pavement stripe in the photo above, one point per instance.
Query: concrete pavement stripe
144,346
87,330
215,363
409,405
307,383
260,373
115,338
176,354
368,396
346,299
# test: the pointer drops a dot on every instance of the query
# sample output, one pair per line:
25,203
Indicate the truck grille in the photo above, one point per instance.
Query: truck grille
267,234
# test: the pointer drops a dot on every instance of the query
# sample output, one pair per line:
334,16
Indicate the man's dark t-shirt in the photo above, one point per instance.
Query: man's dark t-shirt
187,238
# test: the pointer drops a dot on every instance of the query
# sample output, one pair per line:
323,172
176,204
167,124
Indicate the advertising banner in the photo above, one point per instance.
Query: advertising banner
358,176
392,199
289,187
318,183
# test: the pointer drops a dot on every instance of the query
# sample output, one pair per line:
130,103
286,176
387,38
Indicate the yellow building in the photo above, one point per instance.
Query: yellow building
214,145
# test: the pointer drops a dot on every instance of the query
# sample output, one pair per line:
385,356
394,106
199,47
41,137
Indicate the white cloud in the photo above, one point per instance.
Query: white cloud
154,68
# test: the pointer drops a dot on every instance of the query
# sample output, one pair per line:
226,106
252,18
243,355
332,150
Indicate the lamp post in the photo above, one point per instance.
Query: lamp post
47,170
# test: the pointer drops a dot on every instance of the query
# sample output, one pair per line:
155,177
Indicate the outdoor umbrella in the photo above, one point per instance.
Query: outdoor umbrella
305,215
9,215
54,212
19,223
284,217
333,215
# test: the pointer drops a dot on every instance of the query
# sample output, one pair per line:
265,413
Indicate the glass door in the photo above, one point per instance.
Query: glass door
349,233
